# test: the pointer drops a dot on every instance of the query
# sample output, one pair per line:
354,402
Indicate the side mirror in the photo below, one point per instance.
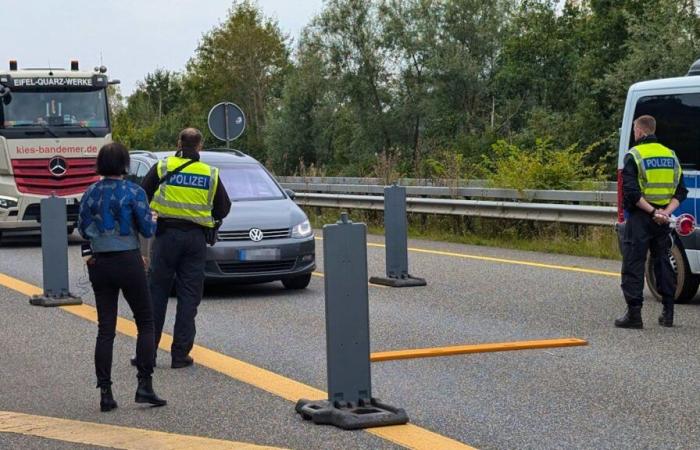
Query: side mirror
290,193
5,94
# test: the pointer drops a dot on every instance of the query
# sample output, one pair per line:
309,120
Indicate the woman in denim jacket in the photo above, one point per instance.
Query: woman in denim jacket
113,212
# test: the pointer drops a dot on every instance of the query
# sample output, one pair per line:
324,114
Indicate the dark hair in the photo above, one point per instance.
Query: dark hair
113,160
189,139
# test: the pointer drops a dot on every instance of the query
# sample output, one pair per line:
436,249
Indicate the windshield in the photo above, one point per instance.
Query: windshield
39,109
245,182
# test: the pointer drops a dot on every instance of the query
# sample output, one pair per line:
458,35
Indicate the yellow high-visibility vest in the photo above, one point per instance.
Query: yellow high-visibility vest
659,172
187,195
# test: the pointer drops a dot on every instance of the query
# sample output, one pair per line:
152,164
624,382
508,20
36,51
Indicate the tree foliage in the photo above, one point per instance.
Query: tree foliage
423,84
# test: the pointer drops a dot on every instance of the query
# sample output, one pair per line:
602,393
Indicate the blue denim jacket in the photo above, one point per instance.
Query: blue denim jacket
112,213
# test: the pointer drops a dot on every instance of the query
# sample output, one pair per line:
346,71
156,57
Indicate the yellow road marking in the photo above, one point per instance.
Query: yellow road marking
505,260
475,348
110,435
409,436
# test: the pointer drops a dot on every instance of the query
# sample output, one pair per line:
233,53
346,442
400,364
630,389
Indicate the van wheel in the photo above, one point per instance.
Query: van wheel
299,282
687,282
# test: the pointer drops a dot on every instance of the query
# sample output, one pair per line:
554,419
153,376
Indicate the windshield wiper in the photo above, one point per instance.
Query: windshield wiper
85,127
77,125
44,128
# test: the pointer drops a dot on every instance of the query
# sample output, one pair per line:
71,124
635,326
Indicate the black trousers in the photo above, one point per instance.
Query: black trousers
178,256
641,236
110,273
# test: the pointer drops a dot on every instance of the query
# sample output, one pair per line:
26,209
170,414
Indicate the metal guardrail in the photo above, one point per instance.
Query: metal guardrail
563,206
548,212
603,186
599,197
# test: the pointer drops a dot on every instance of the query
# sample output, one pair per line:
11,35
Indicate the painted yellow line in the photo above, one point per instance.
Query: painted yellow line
110,435
409,436
504,260
475,348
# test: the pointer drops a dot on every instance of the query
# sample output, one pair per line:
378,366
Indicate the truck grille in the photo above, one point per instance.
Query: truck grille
32,176
242,235
257,266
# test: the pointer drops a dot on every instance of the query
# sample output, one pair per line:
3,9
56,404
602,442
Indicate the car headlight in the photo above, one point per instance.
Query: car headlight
302,230
8,202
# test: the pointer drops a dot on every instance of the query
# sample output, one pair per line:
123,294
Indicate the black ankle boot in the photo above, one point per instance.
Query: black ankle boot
145,394
631,319
107,402
666,317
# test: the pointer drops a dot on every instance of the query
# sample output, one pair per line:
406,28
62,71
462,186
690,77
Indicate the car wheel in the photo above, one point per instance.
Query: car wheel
298,282
687,282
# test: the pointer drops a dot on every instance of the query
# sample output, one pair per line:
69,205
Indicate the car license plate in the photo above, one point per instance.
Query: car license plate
259,254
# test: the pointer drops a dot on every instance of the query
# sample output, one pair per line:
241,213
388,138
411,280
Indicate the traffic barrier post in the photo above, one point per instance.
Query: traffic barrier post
396,241
54,253
350,404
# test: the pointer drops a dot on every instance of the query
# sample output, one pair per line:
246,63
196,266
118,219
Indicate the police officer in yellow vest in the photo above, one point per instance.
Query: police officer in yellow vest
652,186
189,197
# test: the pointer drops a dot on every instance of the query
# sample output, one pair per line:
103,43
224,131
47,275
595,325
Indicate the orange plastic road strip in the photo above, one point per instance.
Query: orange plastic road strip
409,436
475,348
110,436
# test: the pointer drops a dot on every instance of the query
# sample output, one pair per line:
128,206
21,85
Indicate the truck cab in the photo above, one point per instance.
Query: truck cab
675,104
52,124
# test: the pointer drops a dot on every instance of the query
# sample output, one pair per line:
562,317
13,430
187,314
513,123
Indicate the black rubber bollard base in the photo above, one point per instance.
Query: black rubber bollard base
349,416
408,281
45,300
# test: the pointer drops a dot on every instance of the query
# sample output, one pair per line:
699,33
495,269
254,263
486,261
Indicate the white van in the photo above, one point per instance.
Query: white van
675,104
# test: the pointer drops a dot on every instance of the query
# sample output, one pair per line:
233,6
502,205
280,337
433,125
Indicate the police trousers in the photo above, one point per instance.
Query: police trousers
643,236
110,273
178,256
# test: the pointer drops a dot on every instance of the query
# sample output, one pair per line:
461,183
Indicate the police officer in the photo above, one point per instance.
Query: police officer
189,197
652,186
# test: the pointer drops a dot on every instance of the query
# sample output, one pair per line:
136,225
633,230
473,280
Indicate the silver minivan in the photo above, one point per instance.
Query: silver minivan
266,236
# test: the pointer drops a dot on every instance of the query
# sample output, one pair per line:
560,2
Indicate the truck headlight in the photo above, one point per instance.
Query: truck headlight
302,230
7,202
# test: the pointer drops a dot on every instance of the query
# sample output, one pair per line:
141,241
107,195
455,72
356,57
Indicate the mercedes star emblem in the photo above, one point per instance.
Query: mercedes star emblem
255,234
58,166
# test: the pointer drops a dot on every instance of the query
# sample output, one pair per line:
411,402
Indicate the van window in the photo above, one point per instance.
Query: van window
677,124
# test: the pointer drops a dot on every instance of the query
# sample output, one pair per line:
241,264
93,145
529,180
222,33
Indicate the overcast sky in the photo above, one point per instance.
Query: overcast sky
134,36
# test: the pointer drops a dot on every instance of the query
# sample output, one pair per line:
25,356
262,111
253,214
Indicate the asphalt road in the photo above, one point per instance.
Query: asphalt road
627,389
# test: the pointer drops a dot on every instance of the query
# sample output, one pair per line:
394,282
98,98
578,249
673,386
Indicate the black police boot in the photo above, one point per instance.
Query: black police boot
107,402
666,317
181,361
145,393
631,319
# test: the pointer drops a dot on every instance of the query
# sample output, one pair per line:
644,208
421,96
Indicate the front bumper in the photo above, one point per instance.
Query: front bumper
296,257
26,216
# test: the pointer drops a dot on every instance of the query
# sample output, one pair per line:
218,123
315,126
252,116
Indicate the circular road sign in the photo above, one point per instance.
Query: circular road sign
226,121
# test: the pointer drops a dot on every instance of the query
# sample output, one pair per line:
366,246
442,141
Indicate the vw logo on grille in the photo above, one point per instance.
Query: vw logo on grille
58,166
255,234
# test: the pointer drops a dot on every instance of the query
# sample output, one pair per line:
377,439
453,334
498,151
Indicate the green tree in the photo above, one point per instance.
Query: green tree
245,60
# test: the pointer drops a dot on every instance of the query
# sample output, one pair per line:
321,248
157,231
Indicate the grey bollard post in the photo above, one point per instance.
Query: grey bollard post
54,253
396,240
350,404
